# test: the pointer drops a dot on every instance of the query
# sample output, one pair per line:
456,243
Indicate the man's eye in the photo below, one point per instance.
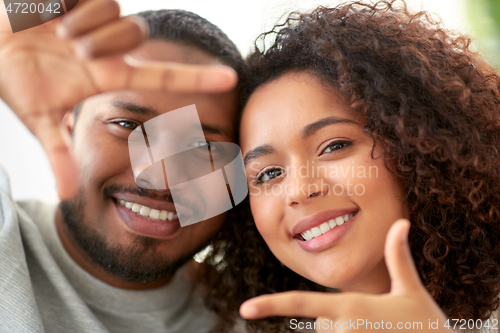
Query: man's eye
334,146
268,175
204,144
130,125
200,144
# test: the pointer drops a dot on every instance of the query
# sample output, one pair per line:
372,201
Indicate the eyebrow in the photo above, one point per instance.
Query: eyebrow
307,131
311,129
218,130
135,109
258,152
149,112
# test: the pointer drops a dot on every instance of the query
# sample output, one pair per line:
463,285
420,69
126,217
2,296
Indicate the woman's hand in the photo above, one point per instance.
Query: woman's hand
408,302
43,74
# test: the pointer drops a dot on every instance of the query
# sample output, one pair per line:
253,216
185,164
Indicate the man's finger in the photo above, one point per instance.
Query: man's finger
404,275
87,17
177,77
118,37
294,304
60,156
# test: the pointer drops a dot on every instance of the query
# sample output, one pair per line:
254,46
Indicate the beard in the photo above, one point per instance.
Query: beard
140,261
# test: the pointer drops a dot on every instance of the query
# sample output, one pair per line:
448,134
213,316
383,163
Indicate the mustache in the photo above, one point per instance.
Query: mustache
164,195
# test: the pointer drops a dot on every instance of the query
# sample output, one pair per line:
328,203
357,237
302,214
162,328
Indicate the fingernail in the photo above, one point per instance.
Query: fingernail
404,235
248,311
219,80
131,60
143,25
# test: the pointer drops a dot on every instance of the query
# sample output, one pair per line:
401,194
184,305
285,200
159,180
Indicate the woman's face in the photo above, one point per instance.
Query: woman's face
320,201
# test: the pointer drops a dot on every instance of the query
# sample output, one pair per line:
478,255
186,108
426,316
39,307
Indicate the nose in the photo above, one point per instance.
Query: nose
152,178
302,190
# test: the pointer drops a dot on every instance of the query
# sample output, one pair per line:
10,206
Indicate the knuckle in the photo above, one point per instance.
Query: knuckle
168,79
296,301
112,8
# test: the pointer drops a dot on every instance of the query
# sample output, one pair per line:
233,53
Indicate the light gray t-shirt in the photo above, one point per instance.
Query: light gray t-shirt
43,290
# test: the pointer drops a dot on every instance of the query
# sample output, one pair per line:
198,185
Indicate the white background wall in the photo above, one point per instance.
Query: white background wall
22,156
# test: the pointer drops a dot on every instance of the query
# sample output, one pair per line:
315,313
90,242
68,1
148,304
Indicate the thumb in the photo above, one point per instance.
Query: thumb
60,156
402,270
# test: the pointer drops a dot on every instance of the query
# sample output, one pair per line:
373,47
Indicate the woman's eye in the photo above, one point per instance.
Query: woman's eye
268,175
130,125
334,146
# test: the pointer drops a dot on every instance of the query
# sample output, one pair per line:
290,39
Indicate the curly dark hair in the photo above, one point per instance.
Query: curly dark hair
434,106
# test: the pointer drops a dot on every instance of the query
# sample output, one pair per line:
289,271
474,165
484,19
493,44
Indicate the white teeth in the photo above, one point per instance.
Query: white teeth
136,208
316,232
145,211
307,235
153,214
325,227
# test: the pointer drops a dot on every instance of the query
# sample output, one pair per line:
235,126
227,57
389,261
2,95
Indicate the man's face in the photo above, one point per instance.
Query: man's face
126,243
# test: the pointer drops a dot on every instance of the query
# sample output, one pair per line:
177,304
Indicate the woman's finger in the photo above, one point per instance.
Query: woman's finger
402,270
294,304
88,16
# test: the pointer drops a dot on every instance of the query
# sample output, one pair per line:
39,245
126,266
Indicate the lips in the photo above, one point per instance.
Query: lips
315,233
316,220
148,226
325,227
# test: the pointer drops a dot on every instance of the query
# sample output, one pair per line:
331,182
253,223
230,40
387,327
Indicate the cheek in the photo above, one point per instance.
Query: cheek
102,156
267,214
368,184
381,192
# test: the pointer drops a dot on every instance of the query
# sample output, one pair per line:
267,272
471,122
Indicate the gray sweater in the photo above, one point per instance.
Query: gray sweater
43,290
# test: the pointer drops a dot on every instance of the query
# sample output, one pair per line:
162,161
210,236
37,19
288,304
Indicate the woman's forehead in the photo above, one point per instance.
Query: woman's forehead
291,102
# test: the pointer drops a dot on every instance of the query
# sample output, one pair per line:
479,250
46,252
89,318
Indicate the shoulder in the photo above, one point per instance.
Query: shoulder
4,182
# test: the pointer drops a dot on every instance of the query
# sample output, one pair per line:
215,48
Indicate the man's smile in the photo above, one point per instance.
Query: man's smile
151,213
147,217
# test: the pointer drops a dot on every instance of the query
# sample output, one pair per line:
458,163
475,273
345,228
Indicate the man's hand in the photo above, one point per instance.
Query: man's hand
43,74
407,302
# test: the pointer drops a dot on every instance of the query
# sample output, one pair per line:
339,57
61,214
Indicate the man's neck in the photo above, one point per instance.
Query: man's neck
98,272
